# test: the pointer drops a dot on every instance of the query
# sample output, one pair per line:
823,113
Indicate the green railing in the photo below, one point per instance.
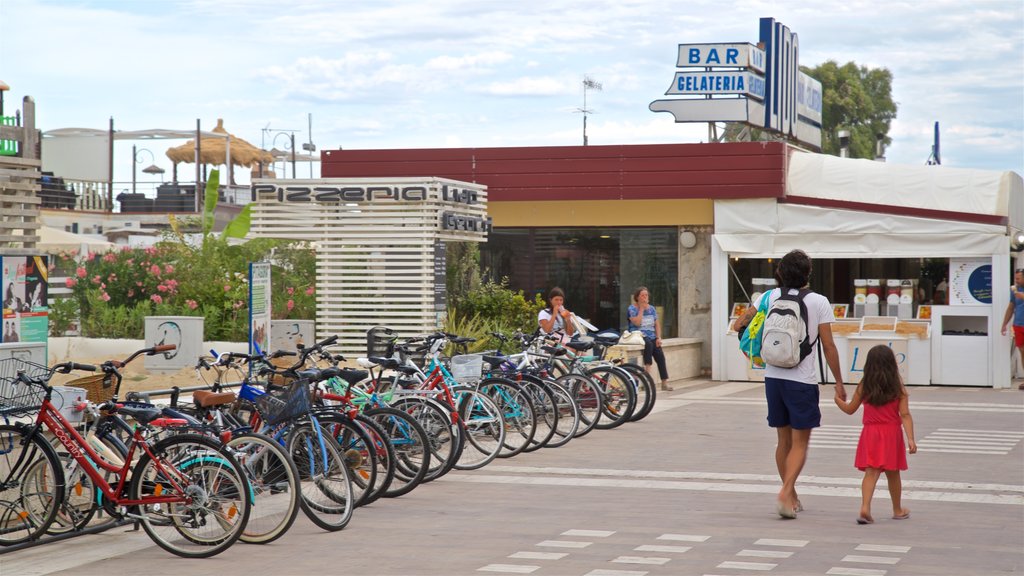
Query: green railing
8,147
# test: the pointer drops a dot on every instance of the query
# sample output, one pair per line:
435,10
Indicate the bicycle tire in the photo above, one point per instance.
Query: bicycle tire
517,410
81,496
619,395
325,483
375,440
32,484
568,416
411,445
446,438
483,427
647,391
274,480
587,395
215,495
546,408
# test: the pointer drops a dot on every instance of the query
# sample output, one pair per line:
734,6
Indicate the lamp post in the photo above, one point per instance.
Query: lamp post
290,134
151,169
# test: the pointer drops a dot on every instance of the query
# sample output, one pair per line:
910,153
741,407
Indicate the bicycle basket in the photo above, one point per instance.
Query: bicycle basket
380,342
467,368
94,386
283,404
15,397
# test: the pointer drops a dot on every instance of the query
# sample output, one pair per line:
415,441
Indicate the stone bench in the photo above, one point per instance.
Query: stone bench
682,356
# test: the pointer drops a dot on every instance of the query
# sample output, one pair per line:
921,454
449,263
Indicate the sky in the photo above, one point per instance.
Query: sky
453,73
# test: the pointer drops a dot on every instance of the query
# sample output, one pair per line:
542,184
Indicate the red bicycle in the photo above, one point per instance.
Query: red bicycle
188,493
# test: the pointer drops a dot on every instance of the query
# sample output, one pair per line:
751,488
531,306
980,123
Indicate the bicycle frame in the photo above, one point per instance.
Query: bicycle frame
91,461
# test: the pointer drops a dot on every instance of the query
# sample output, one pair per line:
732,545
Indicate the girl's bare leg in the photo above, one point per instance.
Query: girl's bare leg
867,490
896,493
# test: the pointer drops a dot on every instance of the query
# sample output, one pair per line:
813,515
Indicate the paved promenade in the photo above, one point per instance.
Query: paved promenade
688,490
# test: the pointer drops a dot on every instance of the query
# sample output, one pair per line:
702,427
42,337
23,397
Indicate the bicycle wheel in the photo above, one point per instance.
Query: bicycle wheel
445,437
196,499
275,485
324,478
411,446
484,427
588,398
357,449
31,486
646,391
546,408
619,394
568,416
373,440
517,410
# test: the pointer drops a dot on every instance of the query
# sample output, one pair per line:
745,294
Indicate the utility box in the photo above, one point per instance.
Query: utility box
288,334
185,332
34,352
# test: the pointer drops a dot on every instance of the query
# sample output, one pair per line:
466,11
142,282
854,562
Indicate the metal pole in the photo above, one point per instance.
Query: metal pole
110,166
293,154
199,191
133,167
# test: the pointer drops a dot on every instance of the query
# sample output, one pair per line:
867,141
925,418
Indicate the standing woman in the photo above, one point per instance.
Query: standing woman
555,318
643,317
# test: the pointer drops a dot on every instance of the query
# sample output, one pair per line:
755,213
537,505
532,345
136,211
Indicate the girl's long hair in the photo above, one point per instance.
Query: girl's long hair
881,383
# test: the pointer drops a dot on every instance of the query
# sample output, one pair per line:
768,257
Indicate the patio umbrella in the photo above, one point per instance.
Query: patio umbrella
213,150
55,239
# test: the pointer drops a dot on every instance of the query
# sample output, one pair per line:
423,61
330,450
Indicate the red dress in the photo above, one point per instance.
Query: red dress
881,442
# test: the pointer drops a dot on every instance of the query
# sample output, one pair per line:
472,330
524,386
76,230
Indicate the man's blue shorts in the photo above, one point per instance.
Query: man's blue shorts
792,403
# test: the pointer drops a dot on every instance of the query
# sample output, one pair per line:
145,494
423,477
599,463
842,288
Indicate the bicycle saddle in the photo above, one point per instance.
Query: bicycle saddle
141,413
494,361
352,376
579,346
208,399
554,350
385,363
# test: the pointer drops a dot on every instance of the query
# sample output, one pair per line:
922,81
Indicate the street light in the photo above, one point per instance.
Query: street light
290,134
151,169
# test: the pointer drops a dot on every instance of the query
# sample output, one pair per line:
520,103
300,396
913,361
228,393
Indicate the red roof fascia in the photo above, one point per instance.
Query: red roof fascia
646,171
897,210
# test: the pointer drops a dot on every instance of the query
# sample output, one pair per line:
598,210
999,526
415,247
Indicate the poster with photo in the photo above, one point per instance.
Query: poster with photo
25,289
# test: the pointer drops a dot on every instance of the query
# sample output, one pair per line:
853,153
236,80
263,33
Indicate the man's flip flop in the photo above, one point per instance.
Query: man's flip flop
863,520
903,516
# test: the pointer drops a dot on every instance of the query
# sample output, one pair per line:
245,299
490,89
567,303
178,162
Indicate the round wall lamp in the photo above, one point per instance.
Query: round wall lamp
687,239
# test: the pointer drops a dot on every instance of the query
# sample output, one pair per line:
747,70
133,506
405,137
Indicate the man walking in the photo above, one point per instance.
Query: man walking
1016,310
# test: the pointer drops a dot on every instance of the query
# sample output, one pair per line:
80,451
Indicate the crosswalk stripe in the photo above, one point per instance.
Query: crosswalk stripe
765,553
564,544
778,542
655,548
641,560
590,533
509,568
843,571
760,566
871,559
528,555
684,537
882,548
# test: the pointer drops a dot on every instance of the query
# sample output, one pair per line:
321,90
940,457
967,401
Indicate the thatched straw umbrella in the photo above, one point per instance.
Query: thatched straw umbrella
213,151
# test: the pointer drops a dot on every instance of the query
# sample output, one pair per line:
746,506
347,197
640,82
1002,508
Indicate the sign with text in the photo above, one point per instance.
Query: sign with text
857,352
970,281
259,307
768,73
718,82
721,55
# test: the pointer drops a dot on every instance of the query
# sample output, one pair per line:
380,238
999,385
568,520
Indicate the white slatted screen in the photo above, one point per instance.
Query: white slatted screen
375,246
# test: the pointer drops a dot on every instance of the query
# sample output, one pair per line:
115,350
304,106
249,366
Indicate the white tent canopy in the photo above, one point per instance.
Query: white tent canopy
55,239
844,208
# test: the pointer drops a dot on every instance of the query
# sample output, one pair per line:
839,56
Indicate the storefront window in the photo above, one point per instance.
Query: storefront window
597,267
835,277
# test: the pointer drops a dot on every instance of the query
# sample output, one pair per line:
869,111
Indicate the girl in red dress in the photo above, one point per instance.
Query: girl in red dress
886,418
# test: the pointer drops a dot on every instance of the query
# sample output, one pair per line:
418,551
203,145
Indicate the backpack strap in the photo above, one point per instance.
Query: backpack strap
806,346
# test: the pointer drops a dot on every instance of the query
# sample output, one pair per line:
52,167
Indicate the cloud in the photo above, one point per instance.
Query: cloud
529,86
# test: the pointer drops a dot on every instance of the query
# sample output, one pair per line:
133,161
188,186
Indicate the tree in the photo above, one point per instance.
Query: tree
854,98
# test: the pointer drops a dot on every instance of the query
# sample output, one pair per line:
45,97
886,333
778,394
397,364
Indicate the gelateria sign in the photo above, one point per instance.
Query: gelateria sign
758,85
380,246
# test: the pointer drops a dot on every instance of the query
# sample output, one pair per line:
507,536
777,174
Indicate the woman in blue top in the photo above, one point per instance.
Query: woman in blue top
643,317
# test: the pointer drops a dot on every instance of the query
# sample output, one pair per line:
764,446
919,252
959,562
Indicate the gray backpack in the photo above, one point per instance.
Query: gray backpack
785,339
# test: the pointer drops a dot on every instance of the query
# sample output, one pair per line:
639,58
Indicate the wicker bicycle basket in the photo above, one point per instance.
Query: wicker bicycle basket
95,386
283,404
16,397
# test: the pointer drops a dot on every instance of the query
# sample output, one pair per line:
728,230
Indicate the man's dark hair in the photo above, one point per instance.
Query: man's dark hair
794,270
